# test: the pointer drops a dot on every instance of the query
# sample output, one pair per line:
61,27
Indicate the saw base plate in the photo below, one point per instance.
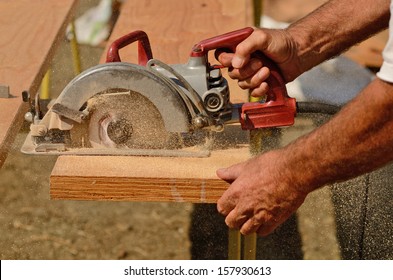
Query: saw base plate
30,148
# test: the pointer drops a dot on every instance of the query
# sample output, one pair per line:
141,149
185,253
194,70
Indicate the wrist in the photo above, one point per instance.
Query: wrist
290,169
300,167
310,51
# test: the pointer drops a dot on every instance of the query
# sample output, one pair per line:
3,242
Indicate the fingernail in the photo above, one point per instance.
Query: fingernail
237,62
221,170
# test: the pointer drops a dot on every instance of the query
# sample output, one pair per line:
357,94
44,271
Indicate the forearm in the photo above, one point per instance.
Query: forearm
357,140
335,27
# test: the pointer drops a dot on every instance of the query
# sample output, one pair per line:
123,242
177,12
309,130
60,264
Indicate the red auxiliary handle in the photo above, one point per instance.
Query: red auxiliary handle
144,49
225,41
279,109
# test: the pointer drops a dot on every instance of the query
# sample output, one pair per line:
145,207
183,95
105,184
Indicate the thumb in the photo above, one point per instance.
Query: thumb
231,173
243,52
251,44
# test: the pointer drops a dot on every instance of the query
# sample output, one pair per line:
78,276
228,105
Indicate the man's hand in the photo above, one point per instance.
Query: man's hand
250,72
261,197
267,189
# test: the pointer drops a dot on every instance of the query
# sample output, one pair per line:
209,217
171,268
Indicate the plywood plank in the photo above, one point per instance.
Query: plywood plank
122,178
29,32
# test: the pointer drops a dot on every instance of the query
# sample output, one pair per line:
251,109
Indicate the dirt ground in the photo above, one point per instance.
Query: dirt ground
34,227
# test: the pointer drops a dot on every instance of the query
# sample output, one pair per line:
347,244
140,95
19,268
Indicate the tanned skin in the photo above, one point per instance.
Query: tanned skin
268,188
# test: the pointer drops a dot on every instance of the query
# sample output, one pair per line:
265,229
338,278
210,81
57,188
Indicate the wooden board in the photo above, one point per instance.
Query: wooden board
120,178
29,31
290,10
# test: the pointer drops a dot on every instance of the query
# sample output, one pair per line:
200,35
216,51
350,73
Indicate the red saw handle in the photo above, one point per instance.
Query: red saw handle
225,41
279,109
144,49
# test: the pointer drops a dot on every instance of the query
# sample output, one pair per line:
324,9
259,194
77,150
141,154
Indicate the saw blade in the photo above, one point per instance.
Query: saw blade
125,120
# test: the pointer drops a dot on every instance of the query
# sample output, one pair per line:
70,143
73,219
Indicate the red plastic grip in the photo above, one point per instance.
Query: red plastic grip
228,41
144,49
279,109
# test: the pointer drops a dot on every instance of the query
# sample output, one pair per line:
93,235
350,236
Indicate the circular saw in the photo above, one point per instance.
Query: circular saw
152,108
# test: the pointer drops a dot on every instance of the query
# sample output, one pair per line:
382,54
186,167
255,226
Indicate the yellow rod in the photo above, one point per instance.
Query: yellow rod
234,236
249,246
250,241
234,244
258,7
75,50
45,85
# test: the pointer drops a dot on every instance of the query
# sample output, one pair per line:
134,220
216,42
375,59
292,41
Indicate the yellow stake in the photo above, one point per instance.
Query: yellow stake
234,244
75,50
45,85
249,247
234,236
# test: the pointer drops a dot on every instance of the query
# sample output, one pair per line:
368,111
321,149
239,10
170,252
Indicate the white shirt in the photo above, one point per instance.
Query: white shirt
386,71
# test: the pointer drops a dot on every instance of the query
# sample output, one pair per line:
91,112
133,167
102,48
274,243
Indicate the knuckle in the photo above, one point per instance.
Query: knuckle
230,223
223,207
260,36
257,92
233,75
242,48
258,220
263,73
263,88
220,208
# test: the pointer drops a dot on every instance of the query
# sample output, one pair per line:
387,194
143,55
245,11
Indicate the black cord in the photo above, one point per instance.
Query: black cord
316,108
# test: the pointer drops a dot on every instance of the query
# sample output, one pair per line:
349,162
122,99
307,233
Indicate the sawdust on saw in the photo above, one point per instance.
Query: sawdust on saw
140,121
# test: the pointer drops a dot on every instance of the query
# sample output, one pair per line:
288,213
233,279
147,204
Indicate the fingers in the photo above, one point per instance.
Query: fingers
250,226
251,69
256,41
228,200
260,91
252,76
249,223
224,58
235,220
256,83
225,205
